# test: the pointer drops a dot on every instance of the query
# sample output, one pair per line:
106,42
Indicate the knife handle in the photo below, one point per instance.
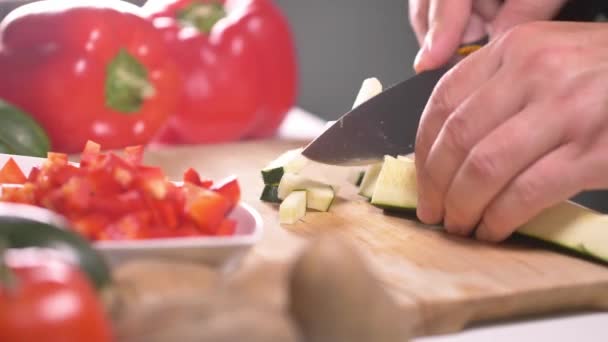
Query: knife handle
466,49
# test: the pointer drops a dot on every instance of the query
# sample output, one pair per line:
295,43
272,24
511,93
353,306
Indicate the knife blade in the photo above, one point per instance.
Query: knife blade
385,124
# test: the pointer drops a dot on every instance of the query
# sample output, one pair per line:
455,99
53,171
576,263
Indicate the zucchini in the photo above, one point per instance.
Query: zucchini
20,134
291,161
320,198
368,183
25,226
566,225
396,187
293,208
270,194
369,88
355,177
573,227
320,195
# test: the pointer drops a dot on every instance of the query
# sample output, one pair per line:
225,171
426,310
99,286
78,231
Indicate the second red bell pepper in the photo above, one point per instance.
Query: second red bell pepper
88,70
238,63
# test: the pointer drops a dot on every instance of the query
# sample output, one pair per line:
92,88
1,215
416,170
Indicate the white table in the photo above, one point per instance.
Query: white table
583,327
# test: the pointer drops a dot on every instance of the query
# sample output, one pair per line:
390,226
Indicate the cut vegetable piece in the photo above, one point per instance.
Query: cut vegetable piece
320,198
355,177
291,161
369,88
293,207
368,183
270,194
573,227
409,157
320,195
396,186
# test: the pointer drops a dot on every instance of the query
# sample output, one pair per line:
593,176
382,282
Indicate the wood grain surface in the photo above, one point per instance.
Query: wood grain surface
442,282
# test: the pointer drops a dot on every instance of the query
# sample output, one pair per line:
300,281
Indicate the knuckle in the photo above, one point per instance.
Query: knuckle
456,134
441,99
528,190
481,165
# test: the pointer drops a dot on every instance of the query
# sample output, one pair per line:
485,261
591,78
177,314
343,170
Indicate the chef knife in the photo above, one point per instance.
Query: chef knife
385,124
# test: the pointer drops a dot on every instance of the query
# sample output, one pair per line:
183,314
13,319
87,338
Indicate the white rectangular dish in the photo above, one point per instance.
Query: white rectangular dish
217,251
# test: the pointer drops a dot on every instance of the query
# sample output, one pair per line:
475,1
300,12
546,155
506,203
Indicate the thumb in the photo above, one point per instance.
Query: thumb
515,12
447,24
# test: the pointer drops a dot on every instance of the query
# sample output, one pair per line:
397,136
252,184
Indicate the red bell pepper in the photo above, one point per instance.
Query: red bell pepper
88,70
238,63
43,298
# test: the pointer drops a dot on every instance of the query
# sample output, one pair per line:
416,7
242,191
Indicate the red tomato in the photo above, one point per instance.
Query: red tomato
49,301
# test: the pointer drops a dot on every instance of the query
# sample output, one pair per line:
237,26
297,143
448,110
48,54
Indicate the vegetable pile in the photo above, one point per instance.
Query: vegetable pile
113,197
172,71
390,184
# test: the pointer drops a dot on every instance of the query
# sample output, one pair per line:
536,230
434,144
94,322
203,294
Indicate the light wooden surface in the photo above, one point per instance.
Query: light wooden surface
442,282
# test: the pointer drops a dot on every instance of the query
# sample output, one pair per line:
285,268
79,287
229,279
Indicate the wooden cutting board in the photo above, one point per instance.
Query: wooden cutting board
443,282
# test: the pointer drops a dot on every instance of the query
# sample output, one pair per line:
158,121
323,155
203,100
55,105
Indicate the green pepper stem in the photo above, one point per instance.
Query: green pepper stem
201,15
127,83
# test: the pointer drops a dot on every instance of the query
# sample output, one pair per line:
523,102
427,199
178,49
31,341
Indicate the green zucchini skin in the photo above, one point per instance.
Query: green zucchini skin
21,232
20,134
270,194
273,176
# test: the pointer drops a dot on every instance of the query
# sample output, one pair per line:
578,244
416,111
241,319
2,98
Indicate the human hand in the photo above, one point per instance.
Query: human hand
516,127
443,25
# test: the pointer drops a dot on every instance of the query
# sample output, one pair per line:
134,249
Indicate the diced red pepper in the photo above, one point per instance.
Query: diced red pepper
11,173
57,158
90,225
134,154
109,197
226,228
230,189
207,208
90,153
33,176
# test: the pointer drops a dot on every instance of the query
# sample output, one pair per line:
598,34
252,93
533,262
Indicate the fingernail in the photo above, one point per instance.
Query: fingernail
423,211
420,62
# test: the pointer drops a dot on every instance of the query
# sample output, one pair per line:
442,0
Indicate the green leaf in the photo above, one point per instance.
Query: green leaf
127,85
20,133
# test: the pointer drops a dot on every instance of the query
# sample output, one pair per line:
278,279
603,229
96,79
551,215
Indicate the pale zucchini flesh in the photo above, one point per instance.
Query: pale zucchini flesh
396,187
320,198
369,88
368,183
320,195
293,207
291,161
573,227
